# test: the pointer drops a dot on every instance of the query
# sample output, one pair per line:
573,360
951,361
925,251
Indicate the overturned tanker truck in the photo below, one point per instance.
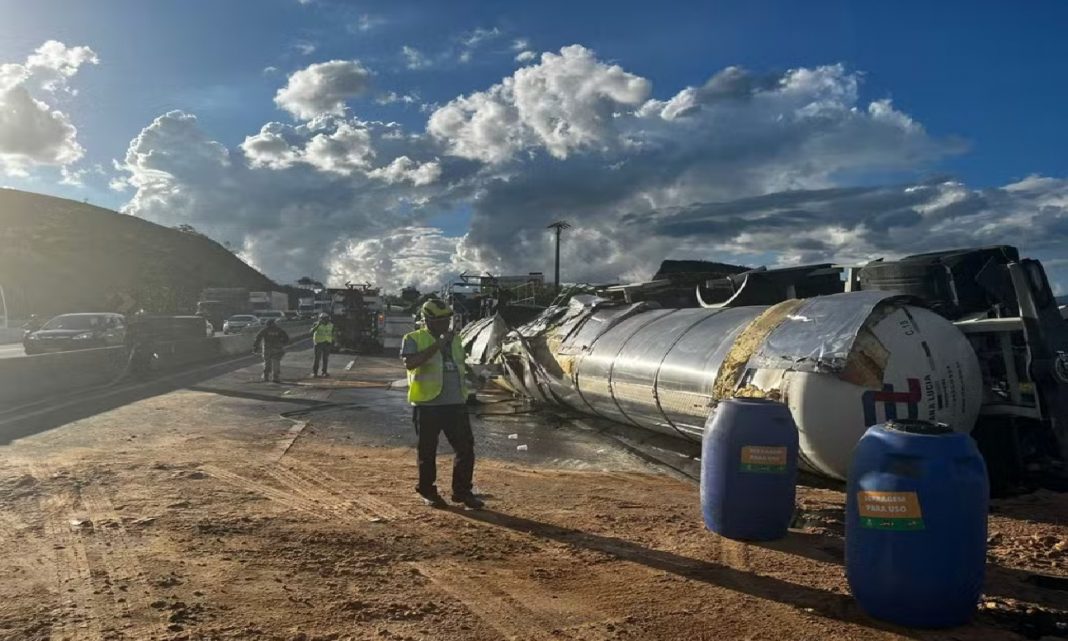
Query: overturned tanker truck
970,338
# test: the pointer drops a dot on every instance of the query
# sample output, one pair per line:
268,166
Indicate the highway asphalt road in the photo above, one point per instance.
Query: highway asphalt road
11,350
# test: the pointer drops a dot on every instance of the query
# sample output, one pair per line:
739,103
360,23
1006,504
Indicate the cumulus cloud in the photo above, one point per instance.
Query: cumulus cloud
33,131
291,197
567,102
343,147
323,88
416,256
745,167
405,169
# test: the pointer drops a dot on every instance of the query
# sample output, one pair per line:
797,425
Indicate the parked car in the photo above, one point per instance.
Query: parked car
292,315
239,323
76,331
268,314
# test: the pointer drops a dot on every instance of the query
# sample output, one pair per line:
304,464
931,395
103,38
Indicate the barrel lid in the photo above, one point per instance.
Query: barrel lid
915,426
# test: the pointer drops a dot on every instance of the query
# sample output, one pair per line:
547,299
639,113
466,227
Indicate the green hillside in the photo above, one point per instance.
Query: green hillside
58,255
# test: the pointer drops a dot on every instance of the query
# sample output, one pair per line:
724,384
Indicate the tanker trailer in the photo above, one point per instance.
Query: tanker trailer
840,363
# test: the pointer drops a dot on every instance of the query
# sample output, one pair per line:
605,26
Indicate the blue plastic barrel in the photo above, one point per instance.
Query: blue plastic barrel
916,514
749,469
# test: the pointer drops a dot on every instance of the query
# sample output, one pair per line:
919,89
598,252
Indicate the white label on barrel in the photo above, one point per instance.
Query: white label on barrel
760,458
889,510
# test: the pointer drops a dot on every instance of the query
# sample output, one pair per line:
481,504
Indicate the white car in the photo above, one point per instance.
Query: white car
240,323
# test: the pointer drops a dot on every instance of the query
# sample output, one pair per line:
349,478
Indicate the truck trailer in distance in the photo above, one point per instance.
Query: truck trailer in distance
263,301
216,304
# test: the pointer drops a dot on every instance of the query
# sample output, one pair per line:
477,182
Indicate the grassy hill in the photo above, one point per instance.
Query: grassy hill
58,255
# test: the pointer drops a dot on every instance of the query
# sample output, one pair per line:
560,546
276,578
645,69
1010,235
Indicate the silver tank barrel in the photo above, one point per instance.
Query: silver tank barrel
839,362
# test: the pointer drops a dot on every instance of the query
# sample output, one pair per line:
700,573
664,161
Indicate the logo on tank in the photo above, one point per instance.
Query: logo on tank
889,510
889,398
758,458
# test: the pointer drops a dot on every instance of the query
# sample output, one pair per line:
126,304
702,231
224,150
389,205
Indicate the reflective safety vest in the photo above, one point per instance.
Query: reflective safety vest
324,333
425,381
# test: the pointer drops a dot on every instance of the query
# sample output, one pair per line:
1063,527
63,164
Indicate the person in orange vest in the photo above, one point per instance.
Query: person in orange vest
437,390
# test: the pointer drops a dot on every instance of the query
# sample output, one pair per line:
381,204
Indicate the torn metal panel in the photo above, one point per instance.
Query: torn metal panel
818,334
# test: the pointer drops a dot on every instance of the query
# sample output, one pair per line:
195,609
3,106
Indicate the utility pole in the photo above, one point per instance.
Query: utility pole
559,226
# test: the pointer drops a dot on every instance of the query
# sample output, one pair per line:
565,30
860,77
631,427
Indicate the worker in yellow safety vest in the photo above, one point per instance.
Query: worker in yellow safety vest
437,390
325,338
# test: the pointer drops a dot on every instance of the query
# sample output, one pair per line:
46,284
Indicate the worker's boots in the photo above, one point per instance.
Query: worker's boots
469,501
433,499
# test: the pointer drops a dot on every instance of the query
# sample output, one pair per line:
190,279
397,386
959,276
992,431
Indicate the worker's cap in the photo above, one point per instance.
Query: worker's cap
436,309
270,322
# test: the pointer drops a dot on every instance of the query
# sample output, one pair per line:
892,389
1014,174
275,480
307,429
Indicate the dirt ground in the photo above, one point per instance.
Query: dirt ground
232,509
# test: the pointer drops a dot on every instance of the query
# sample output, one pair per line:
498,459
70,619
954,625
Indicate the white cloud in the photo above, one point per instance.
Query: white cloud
567,102
335,146
472,40
76,176
414,59
525,56
305,48
406,169
270,70
347,149
301,191
740,168
418,256
520,44
394,97
54,62
478,36
33,131
270,148
323,88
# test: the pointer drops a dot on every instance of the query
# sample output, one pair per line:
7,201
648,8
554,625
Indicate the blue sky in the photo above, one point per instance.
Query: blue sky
985,78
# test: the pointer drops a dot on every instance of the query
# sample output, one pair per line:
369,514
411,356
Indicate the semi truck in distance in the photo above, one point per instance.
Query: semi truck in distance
217,304
263,301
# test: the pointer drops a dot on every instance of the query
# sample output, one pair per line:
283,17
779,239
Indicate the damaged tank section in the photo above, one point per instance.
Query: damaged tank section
840,363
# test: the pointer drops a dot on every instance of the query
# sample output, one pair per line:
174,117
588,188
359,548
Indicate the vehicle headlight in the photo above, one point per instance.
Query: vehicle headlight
82,336
33,337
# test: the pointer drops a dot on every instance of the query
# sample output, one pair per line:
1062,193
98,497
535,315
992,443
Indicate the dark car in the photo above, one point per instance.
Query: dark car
77,331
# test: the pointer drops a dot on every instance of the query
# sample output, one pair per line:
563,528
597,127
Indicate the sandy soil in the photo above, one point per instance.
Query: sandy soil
205,514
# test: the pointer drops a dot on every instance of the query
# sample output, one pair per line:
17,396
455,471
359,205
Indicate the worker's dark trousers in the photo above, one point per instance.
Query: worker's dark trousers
451,419
322,352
